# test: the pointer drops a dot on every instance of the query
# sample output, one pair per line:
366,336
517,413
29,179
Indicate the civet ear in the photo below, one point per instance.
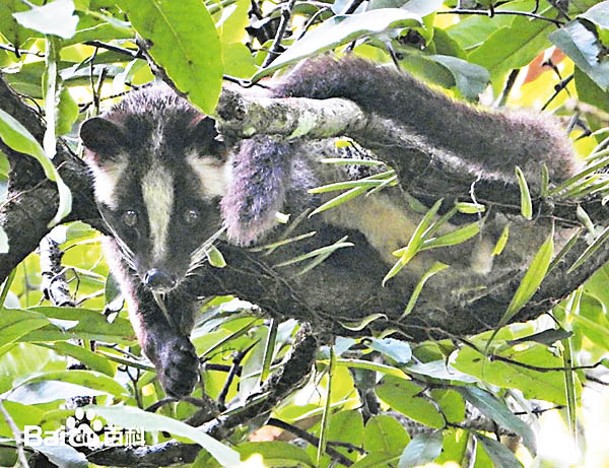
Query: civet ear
102,137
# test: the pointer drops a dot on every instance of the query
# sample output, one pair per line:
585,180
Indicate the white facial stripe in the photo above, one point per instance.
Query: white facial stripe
157,192
106,179
157,136
212,173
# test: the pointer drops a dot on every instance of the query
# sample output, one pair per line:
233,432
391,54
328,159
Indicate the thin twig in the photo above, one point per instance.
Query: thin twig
286,15
557,90
17,434
19,52
121,50
311,439
457,11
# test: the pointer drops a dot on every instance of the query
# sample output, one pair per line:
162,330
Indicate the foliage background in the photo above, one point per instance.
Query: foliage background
73,59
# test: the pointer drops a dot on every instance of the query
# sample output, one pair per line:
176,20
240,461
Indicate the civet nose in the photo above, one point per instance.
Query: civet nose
158,280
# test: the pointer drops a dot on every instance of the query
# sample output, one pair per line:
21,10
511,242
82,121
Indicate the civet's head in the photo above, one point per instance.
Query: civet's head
159,172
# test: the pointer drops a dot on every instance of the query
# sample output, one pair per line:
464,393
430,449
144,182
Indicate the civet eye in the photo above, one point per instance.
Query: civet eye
191,216
130,218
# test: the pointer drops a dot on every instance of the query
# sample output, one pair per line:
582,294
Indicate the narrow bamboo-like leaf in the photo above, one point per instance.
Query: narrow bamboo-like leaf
325,418
572,309
283,242
502,241
339,199
470,208
566,249
349,161
496,410
269,350
6,286
532,279
587,188
580,176
590,250
414,244
500,455
526,204
357,325
236,334
340,244
435,268
130,417
441,221
458,236
585,219
389,182
215,257
346,185
545,180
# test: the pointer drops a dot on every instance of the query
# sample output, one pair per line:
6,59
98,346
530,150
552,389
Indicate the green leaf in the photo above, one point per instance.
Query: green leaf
15,323
471,79
502,241
419,7
532,279
184,42
590,250
415,243
276,453
456,237
397,350
501,456
348,427
357,325
496,410
327,413
598,14
90,359
20,139
9,27
80,323
67,112
423,449
583,47
340,199
470,208
372,366
526,204
383,434
437,267
403,396
322,251
451,404
512,47
521,374
135,418
215,257
83,378
56,18
342,29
